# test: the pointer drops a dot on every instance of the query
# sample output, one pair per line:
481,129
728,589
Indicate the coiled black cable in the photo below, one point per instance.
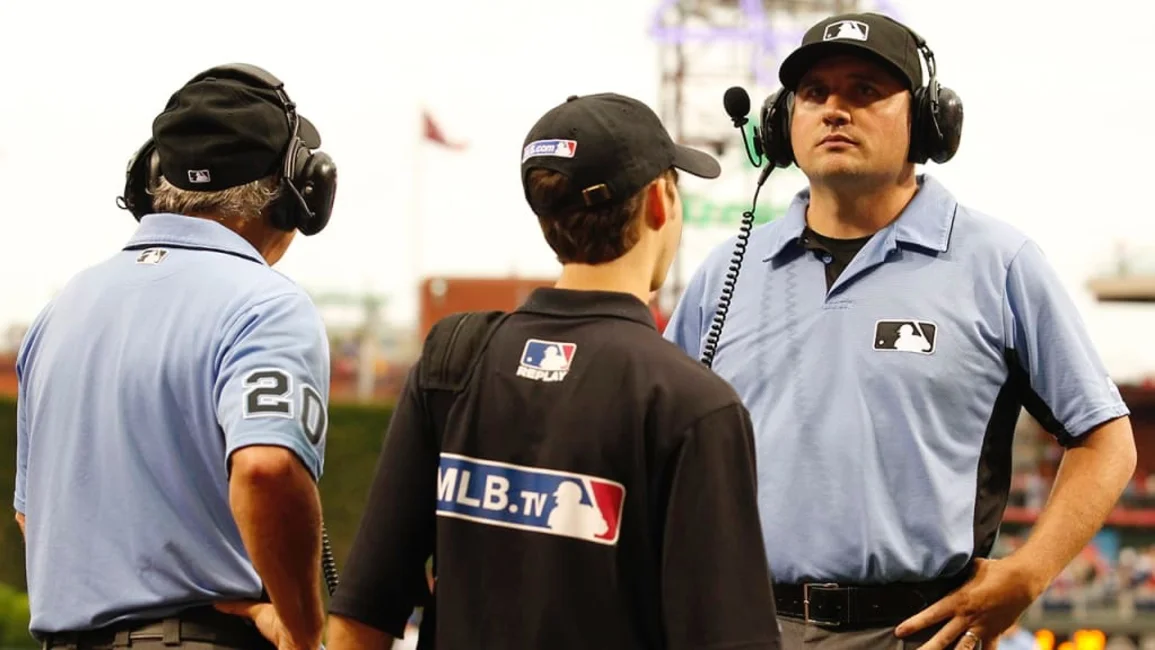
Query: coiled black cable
710,348
328,563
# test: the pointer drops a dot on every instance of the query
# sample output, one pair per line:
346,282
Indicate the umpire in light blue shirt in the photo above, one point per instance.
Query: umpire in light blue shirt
172,404
885,337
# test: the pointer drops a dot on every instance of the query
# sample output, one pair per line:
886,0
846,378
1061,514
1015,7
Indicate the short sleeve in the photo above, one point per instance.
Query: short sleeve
712,512
272,387
23,405
21,437
1063,381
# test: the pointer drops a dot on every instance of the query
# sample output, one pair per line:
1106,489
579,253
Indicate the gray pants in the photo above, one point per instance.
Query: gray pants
796,634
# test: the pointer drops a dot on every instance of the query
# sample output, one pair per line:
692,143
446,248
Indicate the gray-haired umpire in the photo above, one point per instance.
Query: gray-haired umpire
593,486
171,416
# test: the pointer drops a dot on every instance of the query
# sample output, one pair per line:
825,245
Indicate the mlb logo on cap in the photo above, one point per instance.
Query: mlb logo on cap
199,176
545,360
556,148
846,29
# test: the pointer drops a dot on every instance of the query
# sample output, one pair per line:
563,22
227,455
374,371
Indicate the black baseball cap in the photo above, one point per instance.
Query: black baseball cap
882,38
609,146
220,131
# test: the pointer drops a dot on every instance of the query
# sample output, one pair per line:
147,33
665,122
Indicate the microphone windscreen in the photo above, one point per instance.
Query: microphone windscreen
737,102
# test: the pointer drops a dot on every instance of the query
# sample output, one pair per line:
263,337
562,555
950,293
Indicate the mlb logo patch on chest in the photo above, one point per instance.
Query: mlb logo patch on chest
545,360
530,499
899,335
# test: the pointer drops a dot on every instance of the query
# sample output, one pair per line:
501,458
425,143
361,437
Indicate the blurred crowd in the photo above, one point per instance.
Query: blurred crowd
1115,572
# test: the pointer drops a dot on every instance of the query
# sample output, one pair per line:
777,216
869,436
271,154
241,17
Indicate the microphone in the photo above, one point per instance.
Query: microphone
737,104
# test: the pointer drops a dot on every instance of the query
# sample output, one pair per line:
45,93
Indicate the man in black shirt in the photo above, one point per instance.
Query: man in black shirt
592,486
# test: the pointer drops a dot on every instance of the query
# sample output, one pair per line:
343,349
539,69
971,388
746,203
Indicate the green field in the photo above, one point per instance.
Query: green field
355,436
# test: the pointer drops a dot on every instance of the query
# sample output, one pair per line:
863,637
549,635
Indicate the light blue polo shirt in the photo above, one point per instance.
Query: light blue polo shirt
885,409
136,383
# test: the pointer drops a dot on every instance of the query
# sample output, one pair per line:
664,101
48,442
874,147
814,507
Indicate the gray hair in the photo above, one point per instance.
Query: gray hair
246,201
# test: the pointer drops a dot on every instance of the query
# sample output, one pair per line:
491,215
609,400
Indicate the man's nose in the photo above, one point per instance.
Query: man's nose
835,112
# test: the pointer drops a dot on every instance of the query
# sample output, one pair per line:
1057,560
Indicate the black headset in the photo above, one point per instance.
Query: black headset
308,177
935,130
935,125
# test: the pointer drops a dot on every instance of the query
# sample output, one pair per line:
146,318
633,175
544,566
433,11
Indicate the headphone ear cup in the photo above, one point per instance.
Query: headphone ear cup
141,175
318,184
949,119
935,134
775,119
314,177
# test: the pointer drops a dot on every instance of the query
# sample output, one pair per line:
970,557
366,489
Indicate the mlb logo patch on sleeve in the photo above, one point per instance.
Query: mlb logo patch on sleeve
530,498
555,148
545,360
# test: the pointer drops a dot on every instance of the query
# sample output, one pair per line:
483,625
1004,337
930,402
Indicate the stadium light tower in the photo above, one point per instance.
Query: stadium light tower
706,46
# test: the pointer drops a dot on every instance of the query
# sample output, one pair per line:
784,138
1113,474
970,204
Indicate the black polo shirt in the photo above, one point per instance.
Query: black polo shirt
595,488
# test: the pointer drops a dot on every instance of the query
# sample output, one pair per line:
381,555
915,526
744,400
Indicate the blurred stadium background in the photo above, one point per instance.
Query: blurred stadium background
1105,598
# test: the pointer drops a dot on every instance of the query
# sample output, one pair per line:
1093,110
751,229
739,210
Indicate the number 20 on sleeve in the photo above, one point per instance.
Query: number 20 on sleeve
268,392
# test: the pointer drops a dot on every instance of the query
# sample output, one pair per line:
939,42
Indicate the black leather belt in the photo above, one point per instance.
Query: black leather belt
859,606
202,624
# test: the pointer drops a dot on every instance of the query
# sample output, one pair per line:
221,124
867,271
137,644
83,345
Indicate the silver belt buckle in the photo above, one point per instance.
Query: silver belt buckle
806,603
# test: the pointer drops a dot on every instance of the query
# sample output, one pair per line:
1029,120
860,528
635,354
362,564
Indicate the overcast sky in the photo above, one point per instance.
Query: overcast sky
1054,141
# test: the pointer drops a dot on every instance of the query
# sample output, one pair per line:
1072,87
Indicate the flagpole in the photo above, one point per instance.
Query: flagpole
429,132
415,214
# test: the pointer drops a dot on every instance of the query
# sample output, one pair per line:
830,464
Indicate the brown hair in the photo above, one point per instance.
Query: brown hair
584,235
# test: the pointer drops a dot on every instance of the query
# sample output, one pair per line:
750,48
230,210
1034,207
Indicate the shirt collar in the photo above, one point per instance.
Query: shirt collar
572,303
925,222
179,231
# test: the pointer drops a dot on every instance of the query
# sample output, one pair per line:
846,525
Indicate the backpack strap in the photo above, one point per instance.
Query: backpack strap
451,351
453,348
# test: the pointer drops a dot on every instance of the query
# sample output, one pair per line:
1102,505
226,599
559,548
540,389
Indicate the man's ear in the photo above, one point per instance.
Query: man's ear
657,194
671,185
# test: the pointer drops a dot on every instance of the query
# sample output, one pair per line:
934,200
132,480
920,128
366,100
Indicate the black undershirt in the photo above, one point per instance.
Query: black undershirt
837,253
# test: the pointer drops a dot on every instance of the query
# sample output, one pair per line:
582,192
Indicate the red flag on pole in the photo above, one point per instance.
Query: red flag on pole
434,133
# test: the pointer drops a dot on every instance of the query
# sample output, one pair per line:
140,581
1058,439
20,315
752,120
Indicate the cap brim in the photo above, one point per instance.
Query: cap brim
802,59
698,163
308,133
